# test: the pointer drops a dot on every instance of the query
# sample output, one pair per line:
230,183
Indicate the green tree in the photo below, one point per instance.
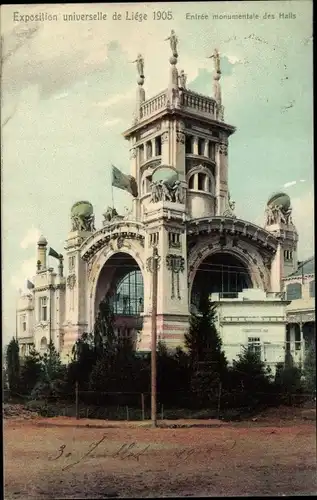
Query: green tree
105,338
309,370
31,371
208,363
250,379
52,381
13,366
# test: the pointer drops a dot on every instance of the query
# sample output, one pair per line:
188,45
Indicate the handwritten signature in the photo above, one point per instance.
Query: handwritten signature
130,450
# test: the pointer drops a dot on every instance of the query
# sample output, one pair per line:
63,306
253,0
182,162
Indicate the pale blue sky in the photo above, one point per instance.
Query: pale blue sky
73,90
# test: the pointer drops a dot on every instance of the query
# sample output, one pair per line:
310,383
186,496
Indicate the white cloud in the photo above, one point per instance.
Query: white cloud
111,123
27,270
61,96
233,59
115,99
288,184
31,238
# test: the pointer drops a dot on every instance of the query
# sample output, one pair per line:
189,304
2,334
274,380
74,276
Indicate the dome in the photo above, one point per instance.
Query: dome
280,199
42,240
82,209
165,173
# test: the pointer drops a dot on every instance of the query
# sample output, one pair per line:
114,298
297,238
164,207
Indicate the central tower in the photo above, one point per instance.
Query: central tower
179,159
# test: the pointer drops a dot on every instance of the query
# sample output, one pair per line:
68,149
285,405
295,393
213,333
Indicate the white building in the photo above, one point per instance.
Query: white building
181,206
300,291
254,319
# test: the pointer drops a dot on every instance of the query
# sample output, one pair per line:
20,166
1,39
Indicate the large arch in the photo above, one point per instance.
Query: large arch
220,272
121,279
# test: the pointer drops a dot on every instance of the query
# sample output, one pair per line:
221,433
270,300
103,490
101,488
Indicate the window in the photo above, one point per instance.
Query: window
201,146
191,182
297,338
43,308
294,291
141,152
312,288
128,299
149,151
201,181
23,323
43,344
288,255
154,238
254,345
188,144
211,150
158,146
174,240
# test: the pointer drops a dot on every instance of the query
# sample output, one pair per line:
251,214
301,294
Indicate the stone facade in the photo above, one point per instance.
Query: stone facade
179,146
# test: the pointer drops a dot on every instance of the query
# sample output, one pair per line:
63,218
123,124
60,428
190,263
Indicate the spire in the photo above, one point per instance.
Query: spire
140,95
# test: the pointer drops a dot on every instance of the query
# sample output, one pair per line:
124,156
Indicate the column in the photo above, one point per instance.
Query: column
206,149
195,145
196,182
153,147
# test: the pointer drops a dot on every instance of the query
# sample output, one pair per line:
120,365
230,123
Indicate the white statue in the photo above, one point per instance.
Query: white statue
173,42
288,216
166,195
139,64
178,192
216,57
182,79
269,216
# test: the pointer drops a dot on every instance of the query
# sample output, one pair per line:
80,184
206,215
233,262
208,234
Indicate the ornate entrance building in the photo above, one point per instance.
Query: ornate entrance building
179,145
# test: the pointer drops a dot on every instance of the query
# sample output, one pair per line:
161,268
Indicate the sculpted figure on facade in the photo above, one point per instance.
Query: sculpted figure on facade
276,215
82,223
139,65
162,191
110,214
288,216
173,43
182,79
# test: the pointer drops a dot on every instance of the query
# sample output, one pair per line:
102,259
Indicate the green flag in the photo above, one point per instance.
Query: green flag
53,253
123,181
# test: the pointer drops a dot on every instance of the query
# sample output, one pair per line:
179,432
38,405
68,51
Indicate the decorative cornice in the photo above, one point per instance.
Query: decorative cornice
234,226
117,230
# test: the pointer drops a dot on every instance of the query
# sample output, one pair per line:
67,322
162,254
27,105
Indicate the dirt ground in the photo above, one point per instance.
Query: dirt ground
274,454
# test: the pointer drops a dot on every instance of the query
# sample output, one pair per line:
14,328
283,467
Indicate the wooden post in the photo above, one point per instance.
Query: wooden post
219,399
143,406
77,400
154,333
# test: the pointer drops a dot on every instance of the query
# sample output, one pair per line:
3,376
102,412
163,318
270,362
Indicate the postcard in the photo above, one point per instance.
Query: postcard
158,249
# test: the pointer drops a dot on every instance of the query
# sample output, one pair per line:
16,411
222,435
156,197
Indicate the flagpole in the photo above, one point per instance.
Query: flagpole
112,195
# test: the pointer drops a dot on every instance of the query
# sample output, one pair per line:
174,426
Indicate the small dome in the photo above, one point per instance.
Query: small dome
42,240
82,209
280,199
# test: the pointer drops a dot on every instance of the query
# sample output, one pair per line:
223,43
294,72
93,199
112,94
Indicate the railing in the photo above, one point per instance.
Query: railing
198,102
152,105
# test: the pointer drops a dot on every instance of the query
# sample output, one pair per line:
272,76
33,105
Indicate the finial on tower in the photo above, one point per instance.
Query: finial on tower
173,85
140,98
217,88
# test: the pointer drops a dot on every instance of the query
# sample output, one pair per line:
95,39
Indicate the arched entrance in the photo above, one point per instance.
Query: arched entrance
121,279
222,273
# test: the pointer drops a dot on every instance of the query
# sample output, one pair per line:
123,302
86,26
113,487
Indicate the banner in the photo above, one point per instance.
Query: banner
123,181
